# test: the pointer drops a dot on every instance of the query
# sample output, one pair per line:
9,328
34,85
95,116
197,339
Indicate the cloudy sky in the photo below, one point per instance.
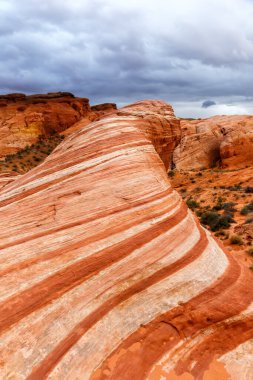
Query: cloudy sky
195,54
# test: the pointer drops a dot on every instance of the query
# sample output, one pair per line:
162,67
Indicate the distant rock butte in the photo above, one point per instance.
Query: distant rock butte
24,118
226,140
105,273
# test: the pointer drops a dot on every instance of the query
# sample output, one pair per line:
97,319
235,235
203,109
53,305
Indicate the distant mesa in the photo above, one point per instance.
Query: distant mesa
49,95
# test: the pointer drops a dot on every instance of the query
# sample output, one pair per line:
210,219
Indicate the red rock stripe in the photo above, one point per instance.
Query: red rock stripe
97,216
55,356
224,339
196,314
23,304
66,165
150,212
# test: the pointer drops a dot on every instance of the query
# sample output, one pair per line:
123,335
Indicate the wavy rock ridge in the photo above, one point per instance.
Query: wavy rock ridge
105,273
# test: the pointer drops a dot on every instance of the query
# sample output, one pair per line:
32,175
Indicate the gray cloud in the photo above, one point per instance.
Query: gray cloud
208,103
108,50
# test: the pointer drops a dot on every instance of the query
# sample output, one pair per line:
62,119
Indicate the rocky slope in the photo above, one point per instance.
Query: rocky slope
222,195
105,273
25,121
226,141
24,118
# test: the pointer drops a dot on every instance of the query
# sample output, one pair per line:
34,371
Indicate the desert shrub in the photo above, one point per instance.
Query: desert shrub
9,157
225,220
250,251
210,219
247,209
236,187
244,210
229,207
222,234
251,268
236,239
192,204
218,205
171,173
249,189
249,220
216,221
226,206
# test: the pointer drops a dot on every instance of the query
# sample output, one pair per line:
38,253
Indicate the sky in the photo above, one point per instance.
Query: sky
195,54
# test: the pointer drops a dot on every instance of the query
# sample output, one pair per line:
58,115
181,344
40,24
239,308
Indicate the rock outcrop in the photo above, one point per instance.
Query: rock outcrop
223,140
105,273
104,108
24,118
99,111
236,148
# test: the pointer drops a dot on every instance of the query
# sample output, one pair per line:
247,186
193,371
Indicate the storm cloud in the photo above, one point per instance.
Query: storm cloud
182,52
208,103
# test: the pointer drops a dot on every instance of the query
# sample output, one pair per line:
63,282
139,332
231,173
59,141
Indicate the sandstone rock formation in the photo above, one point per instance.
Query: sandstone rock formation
104,109
98,112
236,148
226,140
24,118
105,273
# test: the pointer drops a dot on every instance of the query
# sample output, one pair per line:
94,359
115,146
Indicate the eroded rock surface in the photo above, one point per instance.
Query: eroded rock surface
221,140
105,273
24,118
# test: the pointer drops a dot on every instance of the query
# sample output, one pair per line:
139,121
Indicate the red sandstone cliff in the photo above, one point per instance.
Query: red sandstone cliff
24,118
222,140
105,273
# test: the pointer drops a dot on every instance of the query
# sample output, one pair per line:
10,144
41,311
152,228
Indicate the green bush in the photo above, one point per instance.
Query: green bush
249,189
236,239
247,209
192,204
229,206
216,221
236,187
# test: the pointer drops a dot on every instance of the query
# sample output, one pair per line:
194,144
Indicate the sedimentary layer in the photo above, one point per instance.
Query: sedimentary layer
105,273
